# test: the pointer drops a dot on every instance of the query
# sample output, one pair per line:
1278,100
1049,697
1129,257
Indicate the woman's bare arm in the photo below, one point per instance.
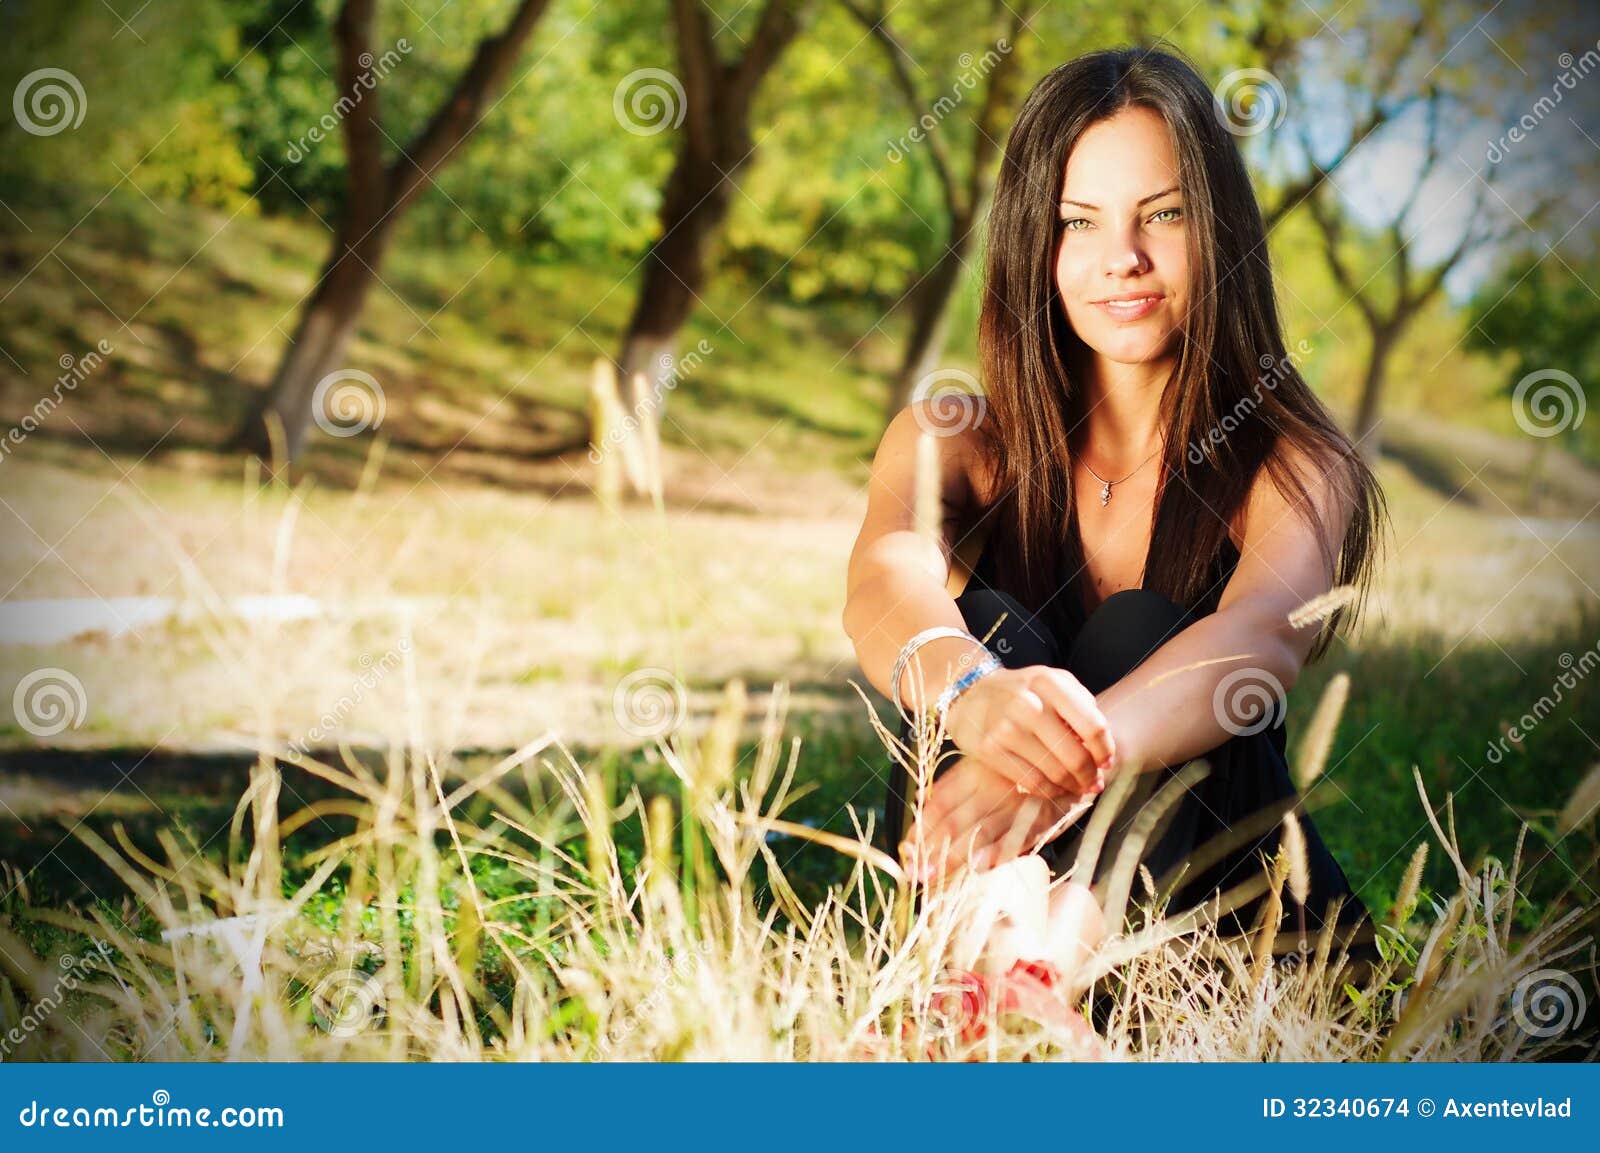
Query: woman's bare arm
1192,693
897,577
1038,726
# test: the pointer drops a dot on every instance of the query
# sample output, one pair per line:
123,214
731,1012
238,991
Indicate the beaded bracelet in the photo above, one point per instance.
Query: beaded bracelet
960,685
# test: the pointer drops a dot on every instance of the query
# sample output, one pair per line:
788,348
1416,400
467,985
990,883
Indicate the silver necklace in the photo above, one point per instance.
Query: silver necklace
1105,485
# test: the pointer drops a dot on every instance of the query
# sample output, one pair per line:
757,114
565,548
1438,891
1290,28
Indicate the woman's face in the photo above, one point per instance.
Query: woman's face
1123,235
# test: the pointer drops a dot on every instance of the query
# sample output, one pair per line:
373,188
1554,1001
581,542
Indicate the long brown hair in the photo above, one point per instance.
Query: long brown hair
1236,390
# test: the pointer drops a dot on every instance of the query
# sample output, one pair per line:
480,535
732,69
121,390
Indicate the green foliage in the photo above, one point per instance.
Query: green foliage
1539,313
153,114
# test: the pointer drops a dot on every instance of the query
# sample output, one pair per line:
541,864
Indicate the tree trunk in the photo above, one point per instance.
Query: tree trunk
692,211
317,348
1368,433
716,144
931,301
375,196
1533,478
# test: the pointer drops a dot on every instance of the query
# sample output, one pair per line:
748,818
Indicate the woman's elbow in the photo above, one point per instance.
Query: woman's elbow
1286,657
853,619
1275,648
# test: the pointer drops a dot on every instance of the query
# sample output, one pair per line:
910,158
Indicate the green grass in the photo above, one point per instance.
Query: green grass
1426,705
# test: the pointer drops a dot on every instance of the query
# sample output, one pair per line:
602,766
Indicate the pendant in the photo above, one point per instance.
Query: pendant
1105,494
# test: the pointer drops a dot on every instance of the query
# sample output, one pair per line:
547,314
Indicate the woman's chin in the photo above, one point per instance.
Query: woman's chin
1132,346
1145,352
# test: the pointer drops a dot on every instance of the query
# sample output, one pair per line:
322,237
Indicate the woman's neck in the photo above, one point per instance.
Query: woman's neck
1121,410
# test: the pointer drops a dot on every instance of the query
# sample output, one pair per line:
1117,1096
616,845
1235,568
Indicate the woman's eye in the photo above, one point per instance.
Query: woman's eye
1164,216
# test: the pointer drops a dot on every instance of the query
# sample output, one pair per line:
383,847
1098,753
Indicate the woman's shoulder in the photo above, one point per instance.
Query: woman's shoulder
968,479
966,459
1317,481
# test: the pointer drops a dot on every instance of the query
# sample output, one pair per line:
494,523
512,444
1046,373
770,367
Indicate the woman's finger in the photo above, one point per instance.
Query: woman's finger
1015,839
1081,711
934,828
997,752
984,815
1003,833
1056,751
1022,742
952,787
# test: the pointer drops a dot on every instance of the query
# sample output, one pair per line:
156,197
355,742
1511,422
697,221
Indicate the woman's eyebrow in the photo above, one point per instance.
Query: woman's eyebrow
1142,200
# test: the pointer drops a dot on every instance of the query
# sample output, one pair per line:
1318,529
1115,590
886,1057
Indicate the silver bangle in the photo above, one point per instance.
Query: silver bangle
909,649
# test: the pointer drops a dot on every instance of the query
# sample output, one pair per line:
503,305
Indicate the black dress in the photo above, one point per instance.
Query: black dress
1228,825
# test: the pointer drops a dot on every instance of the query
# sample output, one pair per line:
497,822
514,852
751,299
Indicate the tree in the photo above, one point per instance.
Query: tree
376,193
1275,37
715,145
1390,298
966,195
1539,311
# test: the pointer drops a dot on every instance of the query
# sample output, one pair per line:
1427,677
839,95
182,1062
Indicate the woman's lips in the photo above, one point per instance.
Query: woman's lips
1130,309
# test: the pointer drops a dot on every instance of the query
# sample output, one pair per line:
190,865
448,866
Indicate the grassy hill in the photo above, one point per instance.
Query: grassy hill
476,353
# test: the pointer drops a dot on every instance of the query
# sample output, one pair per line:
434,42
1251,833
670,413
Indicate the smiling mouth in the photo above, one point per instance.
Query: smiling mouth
1134,307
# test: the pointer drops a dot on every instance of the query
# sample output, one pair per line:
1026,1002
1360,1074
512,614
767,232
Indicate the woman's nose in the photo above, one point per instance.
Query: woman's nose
1125,257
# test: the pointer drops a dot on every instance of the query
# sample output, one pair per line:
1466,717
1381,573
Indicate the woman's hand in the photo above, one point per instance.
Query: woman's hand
975,816
1038,727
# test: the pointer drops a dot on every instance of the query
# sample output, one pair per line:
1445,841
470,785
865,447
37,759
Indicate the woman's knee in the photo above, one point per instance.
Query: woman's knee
1120,634
1008,629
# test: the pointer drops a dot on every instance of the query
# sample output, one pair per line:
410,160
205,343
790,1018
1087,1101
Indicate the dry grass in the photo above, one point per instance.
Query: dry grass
701,951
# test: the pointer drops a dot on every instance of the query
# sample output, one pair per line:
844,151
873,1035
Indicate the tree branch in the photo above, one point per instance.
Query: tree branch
697,60
458,116
1385,106
997,98
778,26
900,64
1330,226
363,131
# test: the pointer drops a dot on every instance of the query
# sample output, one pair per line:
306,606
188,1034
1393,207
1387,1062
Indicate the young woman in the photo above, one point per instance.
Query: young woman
1152,488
